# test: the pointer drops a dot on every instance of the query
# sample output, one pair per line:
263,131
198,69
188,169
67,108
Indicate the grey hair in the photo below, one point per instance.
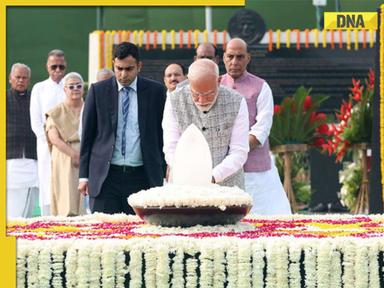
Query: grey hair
72,75
56,52
104,72
201,68
21,65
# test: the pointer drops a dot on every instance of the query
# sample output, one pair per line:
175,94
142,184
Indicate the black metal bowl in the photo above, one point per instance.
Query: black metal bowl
190,216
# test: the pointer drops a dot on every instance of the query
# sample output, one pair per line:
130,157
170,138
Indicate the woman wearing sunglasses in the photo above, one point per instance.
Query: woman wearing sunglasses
62,134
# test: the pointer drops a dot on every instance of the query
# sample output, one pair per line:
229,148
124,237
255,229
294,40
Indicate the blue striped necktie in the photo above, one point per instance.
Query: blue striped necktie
125,116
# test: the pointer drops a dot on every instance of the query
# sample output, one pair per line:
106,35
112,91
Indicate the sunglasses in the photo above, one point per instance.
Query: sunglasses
54,67
77,86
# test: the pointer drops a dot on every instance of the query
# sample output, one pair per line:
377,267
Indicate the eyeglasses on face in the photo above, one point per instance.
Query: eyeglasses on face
54,67
207,94
76,86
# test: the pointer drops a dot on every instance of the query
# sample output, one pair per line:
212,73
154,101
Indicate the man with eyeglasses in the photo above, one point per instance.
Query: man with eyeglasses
46,95
122,138
22,179
261,177
220,113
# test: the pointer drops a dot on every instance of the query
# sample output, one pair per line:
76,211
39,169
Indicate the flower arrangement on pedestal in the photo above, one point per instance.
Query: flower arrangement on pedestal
353,132
296,120
297,125
354,124
350,179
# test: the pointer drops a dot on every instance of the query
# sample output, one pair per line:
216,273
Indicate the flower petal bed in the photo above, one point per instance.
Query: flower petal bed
122,251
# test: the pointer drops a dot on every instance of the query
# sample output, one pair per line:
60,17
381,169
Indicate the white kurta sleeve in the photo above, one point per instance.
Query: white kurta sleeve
171,132
238,146
37,123
264,116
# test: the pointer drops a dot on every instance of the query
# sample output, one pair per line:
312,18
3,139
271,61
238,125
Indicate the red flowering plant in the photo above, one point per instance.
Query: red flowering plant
354,119
296,120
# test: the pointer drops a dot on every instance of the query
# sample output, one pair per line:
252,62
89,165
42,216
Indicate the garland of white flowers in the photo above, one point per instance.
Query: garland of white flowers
240,263
32,266
218,267
174,260
336,267
57,265
258,264
244,264
95,265
294,267
21,262
310,266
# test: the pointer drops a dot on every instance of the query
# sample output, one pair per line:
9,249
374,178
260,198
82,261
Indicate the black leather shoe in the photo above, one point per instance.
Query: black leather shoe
337,207
321,207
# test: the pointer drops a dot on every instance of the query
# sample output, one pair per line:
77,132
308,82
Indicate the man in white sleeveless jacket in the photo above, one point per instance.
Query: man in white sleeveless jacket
220,113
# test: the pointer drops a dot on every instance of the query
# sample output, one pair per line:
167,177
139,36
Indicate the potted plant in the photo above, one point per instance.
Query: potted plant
296,120
296,125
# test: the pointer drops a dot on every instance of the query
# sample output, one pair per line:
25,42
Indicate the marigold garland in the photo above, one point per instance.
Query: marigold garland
101,49
140,38
273,37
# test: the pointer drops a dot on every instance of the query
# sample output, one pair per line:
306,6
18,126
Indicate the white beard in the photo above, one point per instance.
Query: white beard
208,107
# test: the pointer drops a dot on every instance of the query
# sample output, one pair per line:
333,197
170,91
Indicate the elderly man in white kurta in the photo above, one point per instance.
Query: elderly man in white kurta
220,113
261,177
22,180
46,95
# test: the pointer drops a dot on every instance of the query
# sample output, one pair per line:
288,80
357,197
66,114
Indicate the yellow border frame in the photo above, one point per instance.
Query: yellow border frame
381,88
125,3
8,244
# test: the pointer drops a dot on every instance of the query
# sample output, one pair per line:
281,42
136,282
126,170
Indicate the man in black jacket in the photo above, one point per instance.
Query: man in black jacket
122,139
22,179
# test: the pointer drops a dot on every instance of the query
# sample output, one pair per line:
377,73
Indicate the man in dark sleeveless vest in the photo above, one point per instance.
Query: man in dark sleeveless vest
220,113
22,179
261,177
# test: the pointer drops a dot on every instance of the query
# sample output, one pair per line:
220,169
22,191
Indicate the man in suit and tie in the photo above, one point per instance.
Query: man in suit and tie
122,139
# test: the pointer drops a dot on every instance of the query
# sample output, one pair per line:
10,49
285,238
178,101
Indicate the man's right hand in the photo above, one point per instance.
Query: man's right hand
83,187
